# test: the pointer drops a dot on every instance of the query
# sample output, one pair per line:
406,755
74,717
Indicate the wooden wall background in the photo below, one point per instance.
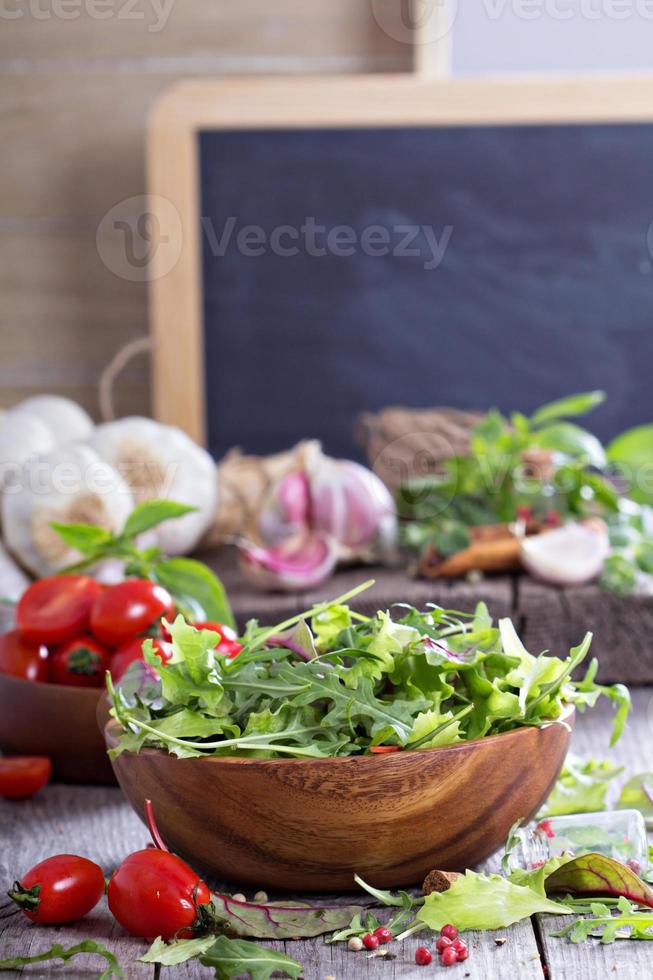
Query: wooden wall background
75,91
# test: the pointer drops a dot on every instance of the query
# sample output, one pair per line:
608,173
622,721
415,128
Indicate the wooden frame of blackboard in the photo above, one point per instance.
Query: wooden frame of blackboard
192,107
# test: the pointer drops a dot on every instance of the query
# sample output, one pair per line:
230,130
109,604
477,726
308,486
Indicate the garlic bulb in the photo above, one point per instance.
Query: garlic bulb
13,580
571,555
295,566
66,420
70,485
21,437
286,509
160,461
351,503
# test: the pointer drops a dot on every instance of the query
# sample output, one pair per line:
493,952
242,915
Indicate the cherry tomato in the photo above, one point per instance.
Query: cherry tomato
79,663
22,776
228,644
60,889
127,609
56,609
155,893
22,659
132,651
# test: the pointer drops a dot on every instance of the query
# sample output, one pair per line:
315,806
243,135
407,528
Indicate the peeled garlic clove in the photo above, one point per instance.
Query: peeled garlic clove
67,421
571,555
286,509
302,565
161,461
69,485
352,504
22,437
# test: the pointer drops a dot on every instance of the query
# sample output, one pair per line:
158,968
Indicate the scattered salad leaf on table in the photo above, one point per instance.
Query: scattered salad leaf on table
582,787
637,794
480,901
231,957
597,874
628,923
59,952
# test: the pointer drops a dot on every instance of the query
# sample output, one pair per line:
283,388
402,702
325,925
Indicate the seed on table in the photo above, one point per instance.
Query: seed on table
261,898
355,944
239,897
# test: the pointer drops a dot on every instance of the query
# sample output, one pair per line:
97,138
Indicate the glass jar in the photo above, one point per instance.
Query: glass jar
620,834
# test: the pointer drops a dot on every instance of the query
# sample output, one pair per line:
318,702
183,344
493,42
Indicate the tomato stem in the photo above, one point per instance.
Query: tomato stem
157,839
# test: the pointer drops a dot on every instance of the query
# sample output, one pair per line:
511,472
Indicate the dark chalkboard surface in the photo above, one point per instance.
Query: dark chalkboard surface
545,286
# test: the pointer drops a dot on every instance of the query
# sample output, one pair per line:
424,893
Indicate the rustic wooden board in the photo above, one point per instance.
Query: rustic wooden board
556,619
98,823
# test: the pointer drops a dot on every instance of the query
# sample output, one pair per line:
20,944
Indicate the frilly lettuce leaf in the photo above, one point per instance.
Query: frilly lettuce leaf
479,901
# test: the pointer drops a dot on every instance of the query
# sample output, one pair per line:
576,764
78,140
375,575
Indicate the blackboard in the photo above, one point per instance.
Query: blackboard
536,193
545,286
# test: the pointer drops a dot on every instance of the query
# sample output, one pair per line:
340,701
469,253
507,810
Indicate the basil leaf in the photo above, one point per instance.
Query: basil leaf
150,513
86,538
196,588
231,957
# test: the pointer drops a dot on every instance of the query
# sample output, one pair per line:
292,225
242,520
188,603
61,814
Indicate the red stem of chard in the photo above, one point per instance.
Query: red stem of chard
157,839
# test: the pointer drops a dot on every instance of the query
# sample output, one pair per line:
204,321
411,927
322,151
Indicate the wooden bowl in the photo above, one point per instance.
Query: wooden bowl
309,824
57,721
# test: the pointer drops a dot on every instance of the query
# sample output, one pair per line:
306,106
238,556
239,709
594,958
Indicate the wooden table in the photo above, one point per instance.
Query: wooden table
98,823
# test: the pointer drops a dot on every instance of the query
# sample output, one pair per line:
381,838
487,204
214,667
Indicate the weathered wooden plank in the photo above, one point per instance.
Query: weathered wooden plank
556,619
61,300
390,585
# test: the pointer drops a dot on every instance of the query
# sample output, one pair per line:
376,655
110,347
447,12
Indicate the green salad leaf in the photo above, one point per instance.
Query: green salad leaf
59,952
582,787
232,957
628,923
344,683
598,874
480,901
637,794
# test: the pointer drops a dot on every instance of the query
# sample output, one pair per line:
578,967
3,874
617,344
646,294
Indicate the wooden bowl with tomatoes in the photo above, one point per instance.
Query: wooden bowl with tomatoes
68,631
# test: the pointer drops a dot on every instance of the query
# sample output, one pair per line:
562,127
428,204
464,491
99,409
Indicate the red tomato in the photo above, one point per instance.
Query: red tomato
132,651
22,659
127,609
56,609
384,749
22,776
155,893
228,644
79,663
60,889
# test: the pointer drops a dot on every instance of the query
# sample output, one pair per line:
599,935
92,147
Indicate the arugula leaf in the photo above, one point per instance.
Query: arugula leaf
480,901
231,957
628,923
59,952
